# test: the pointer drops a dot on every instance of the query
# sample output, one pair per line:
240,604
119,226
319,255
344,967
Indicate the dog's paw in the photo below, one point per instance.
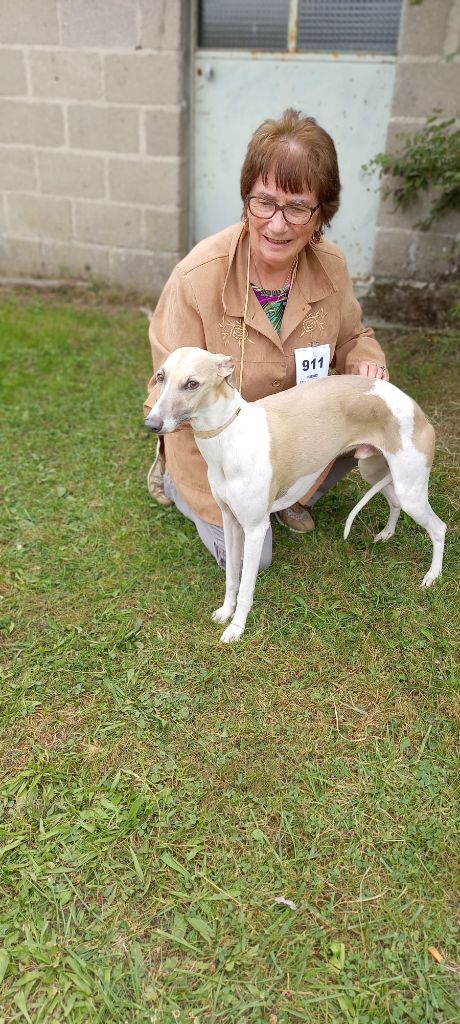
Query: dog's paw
223,614
429,579
383,535
232,633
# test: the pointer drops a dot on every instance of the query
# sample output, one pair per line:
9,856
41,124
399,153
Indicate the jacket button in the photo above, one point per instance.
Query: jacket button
276,383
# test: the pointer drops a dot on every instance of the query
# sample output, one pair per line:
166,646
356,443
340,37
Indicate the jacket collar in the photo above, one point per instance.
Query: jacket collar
312,283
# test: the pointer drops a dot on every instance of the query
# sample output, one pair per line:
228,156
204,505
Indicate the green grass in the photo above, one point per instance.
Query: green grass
160,790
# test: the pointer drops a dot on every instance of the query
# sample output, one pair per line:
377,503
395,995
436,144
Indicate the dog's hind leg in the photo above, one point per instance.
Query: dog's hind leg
253,543
233,535
411,486
372,469
436,530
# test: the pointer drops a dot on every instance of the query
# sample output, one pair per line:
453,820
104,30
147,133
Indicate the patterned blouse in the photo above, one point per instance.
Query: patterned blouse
274,303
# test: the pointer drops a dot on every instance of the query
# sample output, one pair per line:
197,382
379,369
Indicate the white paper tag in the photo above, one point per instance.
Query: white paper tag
311,362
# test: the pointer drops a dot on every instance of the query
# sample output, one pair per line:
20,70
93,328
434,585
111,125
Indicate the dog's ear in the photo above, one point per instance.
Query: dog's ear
225,368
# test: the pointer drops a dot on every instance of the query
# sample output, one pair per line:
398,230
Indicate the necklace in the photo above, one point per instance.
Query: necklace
288,282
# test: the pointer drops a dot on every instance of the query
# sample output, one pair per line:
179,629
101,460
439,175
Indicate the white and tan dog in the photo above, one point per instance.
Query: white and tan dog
263,456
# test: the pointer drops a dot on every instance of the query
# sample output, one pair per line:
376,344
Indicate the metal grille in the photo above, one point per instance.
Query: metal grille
243,24
324,25
344,25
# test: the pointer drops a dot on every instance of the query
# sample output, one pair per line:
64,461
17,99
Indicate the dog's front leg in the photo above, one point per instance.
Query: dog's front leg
253,543
233,536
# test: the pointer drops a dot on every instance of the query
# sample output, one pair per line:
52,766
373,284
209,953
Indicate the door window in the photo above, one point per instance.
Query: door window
357,26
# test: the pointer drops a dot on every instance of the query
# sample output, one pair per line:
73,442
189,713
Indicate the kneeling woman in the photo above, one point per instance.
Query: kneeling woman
273,294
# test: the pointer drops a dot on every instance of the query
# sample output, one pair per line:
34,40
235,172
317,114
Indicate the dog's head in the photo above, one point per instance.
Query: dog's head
190,380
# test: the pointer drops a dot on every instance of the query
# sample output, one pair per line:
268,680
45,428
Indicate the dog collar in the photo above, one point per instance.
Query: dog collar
213,433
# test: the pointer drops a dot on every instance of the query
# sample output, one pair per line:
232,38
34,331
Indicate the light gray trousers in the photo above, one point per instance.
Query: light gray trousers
213,536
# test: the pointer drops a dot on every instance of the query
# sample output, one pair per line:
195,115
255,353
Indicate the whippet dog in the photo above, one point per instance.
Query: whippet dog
263,456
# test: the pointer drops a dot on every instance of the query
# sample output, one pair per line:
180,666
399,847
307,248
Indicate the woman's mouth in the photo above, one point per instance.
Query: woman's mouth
278,241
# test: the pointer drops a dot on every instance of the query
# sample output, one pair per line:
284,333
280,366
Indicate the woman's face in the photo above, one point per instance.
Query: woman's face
274,241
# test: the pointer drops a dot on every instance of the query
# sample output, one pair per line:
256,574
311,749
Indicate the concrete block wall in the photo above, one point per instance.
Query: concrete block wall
94,147
427,82
93,139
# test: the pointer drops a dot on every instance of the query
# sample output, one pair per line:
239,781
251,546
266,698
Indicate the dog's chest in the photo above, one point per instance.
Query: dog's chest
243,489
240,476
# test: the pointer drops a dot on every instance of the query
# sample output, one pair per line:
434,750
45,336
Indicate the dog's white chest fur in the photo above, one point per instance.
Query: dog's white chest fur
239,467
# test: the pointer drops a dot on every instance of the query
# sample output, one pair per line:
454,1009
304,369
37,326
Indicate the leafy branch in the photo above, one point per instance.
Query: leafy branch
429,160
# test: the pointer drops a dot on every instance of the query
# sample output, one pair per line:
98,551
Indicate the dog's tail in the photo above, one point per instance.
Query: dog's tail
364,500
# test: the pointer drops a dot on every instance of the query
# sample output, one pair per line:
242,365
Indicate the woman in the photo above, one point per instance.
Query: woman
272,293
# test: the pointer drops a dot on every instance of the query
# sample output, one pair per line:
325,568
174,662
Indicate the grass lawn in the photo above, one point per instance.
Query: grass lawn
159,790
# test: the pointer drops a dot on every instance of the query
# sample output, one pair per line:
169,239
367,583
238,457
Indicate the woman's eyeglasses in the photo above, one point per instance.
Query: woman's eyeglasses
293,213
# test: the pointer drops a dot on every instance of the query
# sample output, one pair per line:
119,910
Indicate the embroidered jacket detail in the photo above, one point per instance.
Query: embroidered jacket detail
234,327
314,322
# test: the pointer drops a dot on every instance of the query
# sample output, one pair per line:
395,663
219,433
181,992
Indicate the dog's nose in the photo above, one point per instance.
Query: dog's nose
154,423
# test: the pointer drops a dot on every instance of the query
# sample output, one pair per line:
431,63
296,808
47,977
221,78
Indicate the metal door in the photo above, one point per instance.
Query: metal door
349,93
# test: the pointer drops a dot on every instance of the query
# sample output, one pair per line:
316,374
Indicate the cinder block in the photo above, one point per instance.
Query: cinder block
412,255
29,21
109,224
165,132
103,23
166,230
33,124
434,255
71,174
142,272
143,78
165,24
392,217
394,254
82,261
12,73
20,256
423,89
399,131
423,27
66,73
149,182
183,198
39,216
452,36
449,224
110,129
17,169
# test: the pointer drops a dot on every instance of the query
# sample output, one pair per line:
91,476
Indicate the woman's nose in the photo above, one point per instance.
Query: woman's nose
278,221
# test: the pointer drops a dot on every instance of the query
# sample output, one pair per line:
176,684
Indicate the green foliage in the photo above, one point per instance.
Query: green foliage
429,160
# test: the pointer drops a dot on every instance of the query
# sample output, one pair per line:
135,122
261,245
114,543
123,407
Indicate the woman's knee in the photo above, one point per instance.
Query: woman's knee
218,550
265,560
267,551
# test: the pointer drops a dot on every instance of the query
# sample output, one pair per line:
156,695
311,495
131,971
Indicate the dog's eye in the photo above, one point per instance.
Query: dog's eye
160,377
191,385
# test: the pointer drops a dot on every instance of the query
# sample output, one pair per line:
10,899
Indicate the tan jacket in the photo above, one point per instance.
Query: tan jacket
203,304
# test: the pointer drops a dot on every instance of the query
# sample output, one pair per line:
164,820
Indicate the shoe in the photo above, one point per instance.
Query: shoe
155,479
296,518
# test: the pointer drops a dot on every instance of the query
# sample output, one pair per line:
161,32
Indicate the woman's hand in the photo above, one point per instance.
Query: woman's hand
373,370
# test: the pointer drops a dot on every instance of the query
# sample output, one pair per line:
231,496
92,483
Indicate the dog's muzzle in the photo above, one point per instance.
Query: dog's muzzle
154,423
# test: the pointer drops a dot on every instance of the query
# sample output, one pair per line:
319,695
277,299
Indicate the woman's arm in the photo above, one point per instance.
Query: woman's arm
357,349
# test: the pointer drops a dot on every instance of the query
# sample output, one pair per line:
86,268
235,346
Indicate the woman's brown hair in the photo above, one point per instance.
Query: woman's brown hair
301,155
